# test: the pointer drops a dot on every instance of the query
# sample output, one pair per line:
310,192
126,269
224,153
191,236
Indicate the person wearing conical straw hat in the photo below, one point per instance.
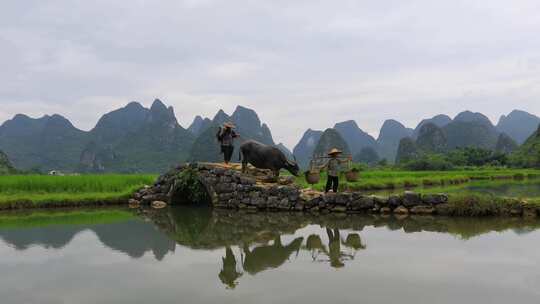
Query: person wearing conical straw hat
333,166
226,136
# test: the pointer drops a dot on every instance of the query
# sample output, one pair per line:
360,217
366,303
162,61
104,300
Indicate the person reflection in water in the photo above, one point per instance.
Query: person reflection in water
229,273
334,251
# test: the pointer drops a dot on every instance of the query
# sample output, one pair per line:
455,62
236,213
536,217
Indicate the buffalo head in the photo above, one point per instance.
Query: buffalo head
292,167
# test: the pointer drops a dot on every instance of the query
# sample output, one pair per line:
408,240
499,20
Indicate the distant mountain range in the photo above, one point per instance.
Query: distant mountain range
441,134
128,140
138,139
467,129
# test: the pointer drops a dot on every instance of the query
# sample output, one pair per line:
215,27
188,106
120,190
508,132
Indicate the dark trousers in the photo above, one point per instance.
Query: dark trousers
332,182
227,152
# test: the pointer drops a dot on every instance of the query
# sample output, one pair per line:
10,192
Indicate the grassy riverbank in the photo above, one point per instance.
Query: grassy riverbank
42,190
395,179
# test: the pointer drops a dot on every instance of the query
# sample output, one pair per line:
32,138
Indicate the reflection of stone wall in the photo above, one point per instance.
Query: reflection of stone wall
203,228
228,188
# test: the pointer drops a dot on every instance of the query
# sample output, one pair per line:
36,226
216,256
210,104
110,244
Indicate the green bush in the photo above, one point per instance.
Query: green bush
431,162
189,189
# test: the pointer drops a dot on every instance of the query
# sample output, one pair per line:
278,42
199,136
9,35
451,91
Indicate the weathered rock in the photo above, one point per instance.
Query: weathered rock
385,210
401,210
244,180
339,208
443,209
159,204
401,216
329,198
516,211
286,180
272,202
422,210
218,171
380,201
394,201
343,198
256,201
366,202
149,198
411,199
284,204
133,203
530,211
435,199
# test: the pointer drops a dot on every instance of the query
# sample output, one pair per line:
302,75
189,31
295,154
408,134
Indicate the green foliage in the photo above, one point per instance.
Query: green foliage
5,165
475,204
383,163
528,155
367,155
471,156
189,189
431,139
407,150
505,144
429,162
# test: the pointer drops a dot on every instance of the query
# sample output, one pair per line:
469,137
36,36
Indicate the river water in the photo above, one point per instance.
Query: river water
196,255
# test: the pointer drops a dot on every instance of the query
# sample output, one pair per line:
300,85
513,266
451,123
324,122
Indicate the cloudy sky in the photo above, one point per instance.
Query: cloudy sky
299,64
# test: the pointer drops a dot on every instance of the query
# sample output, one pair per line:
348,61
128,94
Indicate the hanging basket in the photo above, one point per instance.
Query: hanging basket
313,177
352,175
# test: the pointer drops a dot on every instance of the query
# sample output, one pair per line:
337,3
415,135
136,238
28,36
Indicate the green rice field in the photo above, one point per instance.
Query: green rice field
395,179
43,189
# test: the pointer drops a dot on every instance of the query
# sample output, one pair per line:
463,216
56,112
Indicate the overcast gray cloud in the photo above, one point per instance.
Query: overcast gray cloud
300,64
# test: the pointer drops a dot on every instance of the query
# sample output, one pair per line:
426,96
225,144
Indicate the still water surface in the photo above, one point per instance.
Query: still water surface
188,255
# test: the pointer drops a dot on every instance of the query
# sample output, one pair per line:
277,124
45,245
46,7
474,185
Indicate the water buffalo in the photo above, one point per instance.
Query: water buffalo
266,157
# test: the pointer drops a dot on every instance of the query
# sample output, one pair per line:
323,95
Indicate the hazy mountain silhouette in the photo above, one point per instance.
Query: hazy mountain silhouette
470,129
331,139
49,142
135,139
440,121
519,125
355,137
305,147
199,125
391,133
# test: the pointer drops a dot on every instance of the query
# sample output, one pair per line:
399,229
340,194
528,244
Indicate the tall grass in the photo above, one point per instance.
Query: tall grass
82,188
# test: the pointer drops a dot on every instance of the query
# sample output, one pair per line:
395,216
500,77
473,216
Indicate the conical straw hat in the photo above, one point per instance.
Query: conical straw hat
229,125
334,151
